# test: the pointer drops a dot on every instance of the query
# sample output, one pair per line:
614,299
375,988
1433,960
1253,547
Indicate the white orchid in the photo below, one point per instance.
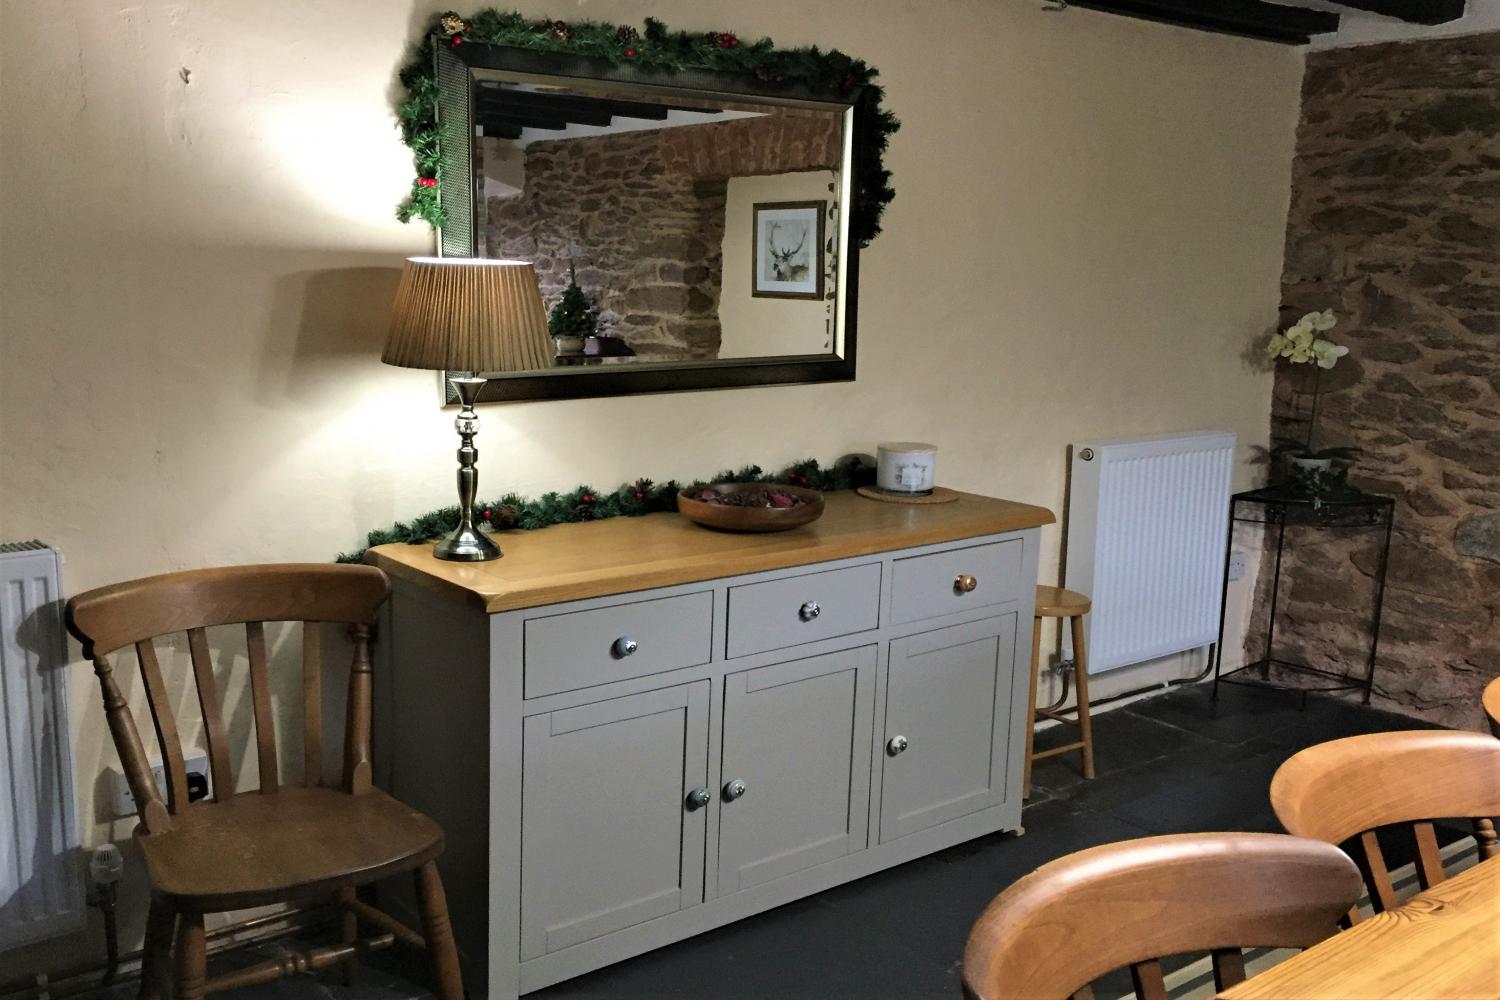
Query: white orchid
1300,343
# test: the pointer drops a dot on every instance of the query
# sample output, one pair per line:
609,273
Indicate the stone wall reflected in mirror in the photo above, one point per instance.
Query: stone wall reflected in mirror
651,202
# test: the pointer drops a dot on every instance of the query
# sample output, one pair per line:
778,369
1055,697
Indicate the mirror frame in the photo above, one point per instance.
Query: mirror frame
456,77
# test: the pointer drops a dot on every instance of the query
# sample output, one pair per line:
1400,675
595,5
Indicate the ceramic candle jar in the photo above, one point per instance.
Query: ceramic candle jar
906,467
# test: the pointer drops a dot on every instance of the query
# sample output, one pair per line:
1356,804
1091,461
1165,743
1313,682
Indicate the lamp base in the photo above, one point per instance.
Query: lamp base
467,544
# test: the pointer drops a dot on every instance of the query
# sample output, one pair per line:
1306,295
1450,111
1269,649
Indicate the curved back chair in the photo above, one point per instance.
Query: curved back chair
1058,929
1346,789
283,841
1492,705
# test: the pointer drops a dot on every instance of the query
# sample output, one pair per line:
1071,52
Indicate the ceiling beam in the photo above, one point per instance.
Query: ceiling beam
1415,11
571,102
1247,18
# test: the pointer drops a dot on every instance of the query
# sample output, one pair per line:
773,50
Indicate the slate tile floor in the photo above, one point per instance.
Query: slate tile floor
1173,763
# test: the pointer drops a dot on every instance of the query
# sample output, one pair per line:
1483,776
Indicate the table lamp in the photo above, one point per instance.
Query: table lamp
468,315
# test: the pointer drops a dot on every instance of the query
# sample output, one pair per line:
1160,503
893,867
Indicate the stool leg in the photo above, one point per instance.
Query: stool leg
1036,657
438,933
1081,677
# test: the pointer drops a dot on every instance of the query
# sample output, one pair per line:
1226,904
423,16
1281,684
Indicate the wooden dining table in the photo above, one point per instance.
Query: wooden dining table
1442,943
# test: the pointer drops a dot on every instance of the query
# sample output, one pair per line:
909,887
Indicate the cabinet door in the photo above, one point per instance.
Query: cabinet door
798,735
947,725
607,837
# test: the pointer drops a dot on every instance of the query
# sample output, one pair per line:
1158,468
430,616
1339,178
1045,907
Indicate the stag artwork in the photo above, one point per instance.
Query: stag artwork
789,249
787,242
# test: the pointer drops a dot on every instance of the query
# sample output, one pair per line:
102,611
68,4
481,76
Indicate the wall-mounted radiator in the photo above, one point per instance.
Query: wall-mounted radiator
1146,527
41,882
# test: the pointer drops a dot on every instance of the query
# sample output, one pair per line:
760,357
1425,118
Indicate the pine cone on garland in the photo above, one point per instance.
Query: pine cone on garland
558,31
452,24
625,34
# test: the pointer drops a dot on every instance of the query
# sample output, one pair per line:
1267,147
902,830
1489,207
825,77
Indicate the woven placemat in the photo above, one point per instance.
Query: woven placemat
939,494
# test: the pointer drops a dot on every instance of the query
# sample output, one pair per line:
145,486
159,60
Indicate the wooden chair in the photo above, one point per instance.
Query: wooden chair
1492,705
1051,934
1055,602
1348,788
283,842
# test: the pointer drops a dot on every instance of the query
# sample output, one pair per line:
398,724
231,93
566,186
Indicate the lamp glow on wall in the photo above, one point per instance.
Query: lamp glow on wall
468,315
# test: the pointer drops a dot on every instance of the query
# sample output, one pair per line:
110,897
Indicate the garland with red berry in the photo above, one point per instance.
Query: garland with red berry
584,503
657,49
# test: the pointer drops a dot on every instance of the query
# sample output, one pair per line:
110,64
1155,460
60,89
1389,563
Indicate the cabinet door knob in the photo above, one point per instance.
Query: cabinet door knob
734,789
896,746
809,611
698,798
625,646
964,583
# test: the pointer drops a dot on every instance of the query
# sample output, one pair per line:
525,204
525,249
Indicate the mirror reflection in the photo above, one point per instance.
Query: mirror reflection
665,227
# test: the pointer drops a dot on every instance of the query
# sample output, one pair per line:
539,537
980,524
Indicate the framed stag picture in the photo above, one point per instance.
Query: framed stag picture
788,257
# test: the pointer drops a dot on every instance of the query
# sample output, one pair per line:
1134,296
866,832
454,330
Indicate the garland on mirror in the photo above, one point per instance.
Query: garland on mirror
658,49
584,503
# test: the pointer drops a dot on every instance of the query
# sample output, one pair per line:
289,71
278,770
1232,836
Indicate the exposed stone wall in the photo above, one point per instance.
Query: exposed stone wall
646,211
1395,224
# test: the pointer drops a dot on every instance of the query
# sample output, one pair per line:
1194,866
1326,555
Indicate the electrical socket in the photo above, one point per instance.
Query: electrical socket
197,773
1238,565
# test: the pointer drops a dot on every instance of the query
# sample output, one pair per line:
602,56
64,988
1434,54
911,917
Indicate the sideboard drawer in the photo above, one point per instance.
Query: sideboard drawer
946,583
798,609
585,648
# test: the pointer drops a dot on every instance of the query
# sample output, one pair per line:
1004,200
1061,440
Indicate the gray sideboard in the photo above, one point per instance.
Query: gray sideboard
637,730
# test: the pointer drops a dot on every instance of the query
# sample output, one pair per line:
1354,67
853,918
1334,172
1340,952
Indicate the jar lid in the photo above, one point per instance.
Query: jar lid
906,446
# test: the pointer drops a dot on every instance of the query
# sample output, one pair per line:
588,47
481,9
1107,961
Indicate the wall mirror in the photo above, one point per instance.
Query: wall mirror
704,217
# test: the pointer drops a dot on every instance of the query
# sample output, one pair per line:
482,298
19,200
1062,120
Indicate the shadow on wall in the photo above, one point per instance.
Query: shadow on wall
322,324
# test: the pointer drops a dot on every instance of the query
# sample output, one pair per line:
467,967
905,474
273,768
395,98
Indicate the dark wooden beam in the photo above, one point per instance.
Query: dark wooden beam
504,108
1415,11
1247,18
498,130
501,118
564,103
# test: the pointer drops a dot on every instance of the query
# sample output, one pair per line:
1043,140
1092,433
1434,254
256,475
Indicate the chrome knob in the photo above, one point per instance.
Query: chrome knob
896,746
809,611
698,798
734,790
964,583
625,646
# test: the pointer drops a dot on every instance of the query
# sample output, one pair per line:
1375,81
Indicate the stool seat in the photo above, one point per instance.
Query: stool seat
1057,602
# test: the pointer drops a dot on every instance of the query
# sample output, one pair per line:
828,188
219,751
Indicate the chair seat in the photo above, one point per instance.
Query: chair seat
261,848
1056,602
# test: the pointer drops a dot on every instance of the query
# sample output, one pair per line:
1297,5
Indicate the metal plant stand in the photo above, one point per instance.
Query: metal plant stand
1277,507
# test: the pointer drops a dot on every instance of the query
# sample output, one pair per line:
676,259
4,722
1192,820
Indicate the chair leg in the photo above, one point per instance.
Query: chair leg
192,957
349,934
1081,678
438,933
1030,713
156,960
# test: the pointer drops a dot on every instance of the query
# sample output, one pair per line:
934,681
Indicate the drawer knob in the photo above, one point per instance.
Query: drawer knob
734,790
625,646
698,798
809,611
896,746
964,583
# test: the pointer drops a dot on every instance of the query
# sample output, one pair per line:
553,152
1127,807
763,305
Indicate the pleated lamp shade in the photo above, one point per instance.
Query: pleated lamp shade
468,314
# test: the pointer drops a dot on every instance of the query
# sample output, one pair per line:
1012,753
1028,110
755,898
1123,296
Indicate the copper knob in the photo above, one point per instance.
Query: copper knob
964,583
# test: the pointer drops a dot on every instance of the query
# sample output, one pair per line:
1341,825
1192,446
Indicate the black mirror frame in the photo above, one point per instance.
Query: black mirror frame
457,238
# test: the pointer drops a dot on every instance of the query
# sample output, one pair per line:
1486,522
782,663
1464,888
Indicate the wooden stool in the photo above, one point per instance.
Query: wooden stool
1055,602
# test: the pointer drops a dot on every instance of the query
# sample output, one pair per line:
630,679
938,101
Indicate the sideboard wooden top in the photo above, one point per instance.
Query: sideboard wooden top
570,562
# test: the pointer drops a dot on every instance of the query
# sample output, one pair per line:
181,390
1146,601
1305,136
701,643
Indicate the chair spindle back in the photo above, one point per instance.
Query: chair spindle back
1132,903
140,611
1347,789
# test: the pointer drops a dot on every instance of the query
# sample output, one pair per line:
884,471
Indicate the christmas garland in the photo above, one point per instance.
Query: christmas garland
584,503
656,50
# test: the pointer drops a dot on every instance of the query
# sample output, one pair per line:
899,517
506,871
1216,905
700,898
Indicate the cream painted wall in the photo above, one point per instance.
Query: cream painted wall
197,251
765,327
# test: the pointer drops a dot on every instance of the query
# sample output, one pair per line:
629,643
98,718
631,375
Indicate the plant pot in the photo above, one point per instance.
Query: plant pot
1313,475
568,346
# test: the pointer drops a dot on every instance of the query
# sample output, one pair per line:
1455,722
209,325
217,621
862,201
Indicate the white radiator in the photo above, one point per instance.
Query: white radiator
1147,521
41,881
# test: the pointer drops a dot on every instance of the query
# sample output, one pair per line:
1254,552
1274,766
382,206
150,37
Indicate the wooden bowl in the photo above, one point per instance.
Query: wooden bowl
727,518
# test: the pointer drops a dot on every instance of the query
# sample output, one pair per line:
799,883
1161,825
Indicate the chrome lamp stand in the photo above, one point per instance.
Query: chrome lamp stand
466,543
